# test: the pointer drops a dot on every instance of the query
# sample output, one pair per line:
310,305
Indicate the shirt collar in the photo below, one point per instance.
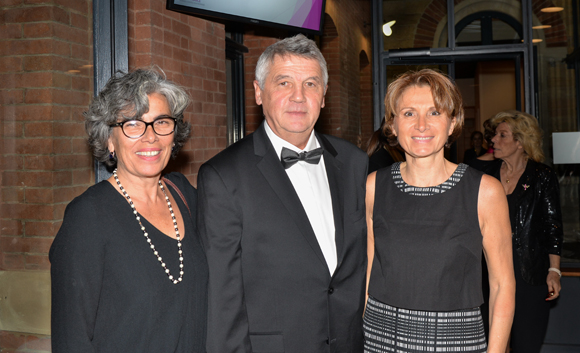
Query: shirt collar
278,142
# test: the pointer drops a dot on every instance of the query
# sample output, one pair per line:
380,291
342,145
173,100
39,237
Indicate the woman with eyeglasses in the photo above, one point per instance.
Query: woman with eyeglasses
128,270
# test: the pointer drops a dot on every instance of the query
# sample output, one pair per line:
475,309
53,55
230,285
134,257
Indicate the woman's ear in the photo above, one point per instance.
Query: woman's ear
452,126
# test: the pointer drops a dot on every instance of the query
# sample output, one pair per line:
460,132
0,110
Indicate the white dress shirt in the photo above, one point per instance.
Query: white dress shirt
311,184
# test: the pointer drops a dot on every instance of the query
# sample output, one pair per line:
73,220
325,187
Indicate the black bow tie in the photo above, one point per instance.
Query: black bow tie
289,157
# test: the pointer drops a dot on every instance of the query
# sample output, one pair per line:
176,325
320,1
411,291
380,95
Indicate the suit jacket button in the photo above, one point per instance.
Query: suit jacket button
330,290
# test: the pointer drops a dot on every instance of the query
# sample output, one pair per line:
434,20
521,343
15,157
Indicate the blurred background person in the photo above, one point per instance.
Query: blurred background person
482,162
476,149
128,271
533,195
428,222
380,153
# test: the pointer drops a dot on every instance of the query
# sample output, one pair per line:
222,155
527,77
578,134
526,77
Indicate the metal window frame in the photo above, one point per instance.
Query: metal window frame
110,49
380,56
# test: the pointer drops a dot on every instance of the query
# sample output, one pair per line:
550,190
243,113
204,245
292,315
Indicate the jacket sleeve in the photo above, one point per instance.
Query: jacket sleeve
76,257
220,228
551,213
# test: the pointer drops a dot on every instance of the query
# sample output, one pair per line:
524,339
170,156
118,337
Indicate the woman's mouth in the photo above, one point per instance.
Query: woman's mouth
148,153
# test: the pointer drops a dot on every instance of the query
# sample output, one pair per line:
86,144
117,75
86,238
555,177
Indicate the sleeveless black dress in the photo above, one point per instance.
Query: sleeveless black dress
425,285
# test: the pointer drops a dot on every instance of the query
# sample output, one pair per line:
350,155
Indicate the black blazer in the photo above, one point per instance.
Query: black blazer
270,288
537,227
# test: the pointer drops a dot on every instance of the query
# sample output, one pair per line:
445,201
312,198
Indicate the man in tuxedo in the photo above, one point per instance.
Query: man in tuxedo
281,216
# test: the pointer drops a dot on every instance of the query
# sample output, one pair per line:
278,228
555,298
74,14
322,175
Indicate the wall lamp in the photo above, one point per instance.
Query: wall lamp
387,30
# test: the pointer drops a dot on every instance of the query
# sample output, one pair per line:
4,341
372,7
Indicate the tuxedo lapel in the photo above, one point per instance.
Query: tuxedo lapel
271,167
333,167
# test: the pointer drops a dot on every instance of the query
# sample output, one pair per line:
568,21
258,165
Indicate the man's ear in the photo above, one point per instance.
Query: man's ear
323,97
257,93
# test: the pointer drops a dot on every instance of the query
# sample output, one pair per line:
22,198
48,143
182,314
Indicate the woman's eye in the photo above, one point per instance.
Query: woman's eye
407,114
435,113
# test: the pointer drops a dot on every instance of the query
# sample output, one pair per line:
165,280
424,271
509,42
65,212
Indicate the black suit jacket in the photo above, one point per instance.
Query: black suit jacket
270,288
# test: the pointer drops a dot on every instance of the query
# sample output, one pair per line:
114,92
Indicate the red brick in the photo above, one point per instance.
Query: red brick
11,162
12,129
37,262
25,245
40,129
11,227
37,63
27,179
71,97
71,34
62,146
10,64
71,162
38,30
41,229
28,14
11,97
81,6
29,146
43,162
79,21
66,194
62,178
81,52
12,194
12,262
83,177
38,195
38,96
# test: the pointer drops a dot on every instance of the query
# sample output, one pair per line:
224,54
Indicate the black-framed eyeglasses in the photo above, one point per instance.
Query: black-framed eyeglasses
136,128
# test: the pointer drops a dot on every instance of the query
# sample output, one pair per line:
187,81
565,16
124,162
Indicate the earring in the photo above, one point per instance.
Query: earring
112,155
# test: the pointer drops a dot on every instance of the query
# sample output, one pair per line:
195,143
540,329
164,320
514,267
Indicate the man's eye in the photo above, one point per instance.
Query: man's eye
132,123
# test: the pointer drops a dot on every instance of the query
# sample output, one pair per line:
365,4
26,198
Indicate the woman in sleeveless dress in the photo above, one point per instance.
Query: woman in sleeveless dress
429,221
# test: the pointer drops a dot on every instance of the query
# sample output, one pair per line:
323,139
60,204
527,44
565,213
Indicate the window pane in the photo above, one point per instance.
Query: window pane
470,34
503,33
558,113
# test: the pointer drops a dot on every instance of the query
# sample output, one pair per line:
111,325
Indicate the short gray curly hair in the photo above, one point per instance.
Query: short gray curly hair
298,45
125,96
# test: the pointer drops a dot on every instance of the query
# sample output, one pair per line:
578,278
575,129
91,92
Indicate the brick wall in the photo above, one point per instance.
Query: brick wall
45,83
191,51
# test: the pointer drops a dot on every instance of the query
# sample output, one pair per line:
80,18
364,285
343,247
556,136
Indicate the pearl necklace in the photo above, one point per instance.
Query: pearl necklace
159,258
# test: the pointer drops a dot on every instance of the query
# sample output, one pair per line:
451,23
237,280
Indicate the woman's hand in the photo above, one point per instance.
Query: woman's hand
553,278
554,286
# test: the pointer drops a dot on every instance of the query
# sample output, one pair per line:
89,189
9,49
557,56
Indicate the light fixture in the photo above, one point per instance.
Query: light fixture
542,26
552,9
537,40
387,30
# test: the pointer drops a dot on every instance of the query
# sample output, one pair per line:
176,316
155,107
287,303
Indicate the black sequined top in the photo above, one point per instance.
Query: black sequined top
536,219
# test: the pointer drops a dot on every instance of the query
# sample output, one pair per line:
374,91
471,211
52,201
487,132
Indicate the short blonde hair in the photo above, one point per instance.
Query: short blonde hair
446,97
525,129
